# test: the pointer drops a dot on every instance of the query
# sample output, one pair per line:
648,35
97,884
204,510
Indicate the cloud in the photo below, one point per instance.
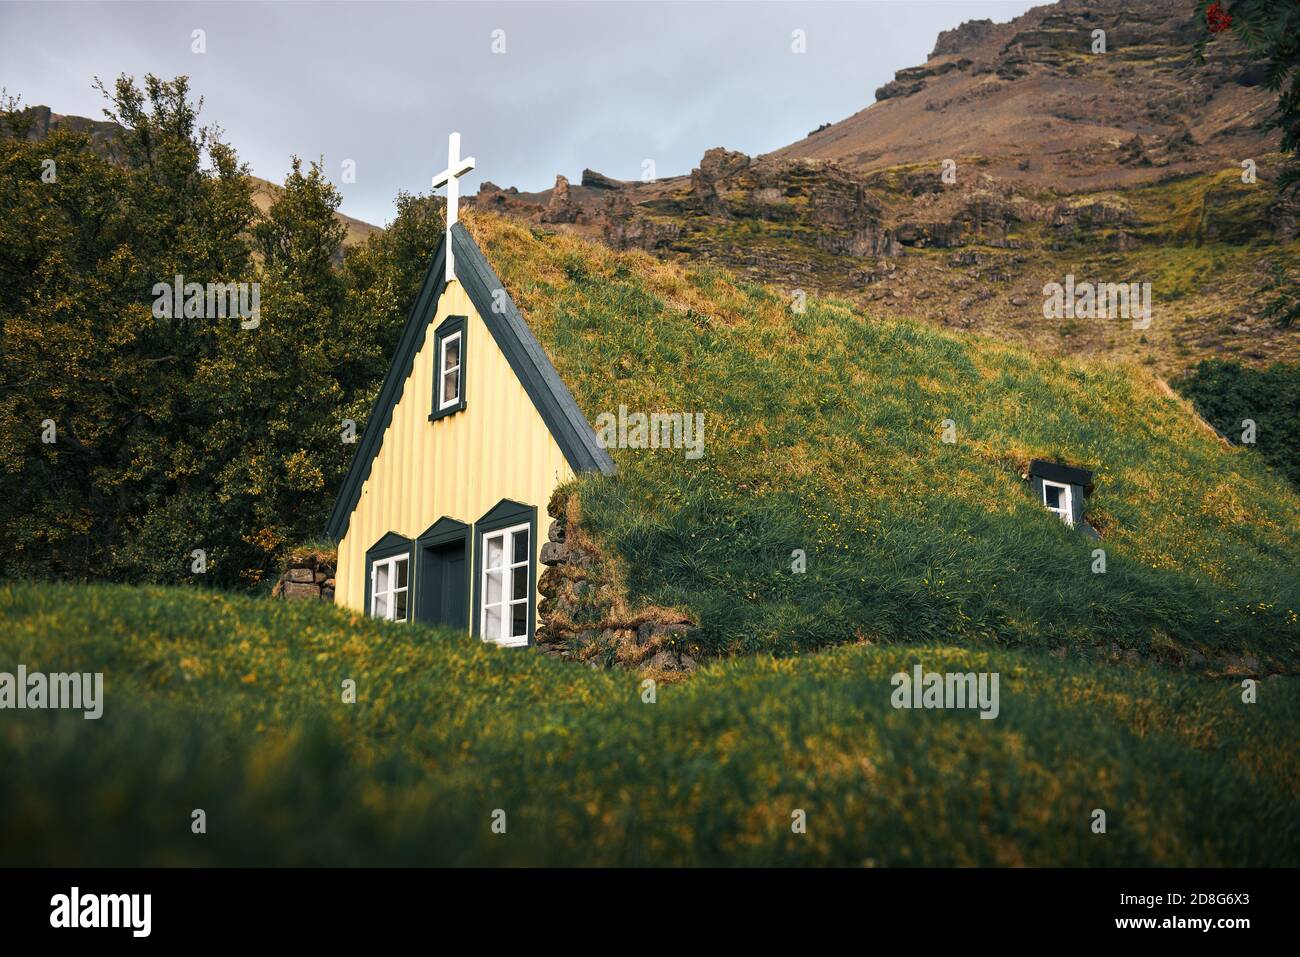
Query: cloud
580,84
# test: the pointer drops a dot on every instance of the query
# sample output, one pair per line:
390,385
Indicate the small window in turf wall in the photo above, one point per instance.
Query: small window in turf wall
1062,489
1057,499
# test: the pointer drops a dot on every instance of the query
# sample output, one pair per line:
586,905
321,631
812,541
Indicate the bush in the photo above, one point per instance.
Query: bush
180,433
1227,393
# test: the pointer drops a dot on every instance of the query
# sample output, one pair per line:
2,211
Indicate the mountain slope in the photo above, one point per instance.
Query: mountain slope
824,432
1038,107
1121,166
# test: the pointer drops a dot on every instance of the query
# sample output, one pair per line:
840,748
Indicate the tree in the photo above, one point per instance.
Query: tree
175,433
1228,394
270,450
83,240
1270,31
383,278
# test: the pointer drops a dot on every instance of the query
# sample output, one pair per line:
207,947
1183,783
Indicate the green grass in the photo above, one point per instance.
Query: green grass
823,433
233,705
1192,209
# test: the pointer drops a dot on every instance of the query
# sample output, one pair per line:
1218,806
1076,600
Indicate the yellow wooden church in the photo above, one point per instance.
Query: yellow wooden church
438,517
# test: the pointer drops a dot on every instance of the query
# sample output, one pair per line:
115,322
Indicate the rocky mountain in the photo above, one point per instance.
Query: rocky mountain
1032,103
1015,155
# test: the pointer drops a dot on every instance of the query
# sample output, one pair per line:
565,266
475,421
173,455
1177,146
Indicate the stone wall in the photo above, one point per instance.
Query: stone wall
309,575
585,614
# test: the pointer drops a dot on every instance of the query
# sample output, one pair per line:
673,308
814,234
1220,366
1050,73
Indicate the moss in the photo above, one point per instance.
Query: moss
823,434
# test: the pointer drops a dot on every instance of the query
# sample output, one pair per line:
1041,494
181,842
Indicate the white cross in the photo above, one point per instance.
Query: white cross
450,177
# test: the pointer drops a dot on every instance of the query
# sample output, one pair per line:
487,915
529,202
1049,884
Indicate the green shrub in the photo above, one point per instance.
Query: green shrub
1227,393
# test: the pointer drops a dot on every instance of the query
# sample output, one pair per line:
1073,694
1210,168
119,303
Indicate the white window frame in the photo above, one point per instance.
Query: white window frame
509,570
1066,510
457,336
393,591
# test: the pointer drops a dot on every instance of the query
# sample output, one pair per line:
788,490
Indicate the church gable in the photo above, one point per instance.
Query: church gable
527,358
496,312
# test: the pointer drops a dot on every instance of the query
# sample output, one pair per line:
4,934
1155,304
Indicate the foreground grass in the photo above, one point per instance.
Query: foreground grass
824,433
233,705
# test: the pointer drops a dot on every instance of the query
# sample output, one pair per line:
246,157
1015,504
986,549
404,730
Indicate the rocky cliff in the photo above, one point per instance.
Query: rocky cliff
1014,155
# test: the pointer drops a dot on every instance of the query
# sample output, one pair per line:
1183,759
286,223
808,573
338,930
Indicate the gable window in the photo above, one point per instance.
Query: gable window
1063,491
449,371
390,588
505,590
449,368
1058,498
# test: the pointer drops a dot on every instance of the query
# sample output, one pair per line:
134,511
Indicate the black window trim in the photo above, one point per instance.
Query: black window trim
391,546
446,329
505,514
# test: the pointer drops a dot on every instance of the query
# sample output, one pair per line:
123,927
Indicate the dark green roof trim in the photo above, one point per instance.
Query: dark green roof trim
503,514
391,544
444,530
570,428
1065,474
554,401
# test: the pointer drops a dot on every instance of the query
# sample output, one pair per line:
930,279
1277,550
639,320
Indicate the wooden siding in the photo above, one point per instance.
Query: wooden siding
459,466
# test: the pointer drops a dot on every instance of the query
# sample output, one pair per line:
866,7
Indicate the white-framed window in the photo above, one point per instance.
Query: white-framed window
390,588
505,599
449,371
449,368
1058,498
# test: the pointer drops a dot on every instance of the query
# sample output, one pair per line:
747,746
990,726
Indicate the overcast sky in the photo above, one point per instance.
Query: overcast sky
603,85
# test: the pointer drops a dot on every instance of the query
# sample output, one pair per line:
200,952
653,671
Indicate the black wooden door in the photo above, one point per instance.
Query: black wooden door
443,586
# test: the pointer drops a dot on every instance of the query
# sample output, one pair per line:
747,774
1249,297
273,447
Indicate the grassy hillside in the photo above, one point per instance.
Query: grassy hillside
823,433
1207,244
233,705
